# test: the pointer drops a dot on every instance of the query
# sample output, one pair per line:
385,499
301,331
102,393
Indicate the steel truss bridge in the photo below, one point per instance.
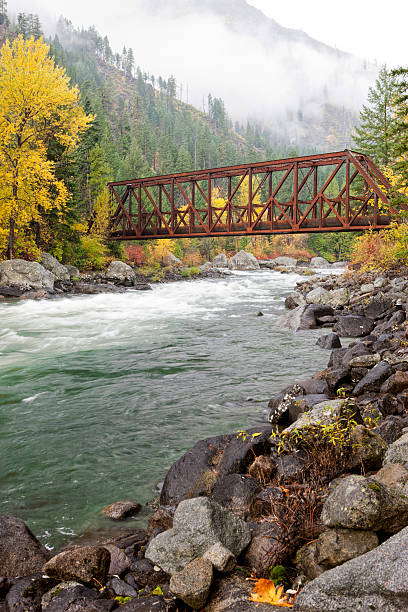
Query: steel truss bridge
342,191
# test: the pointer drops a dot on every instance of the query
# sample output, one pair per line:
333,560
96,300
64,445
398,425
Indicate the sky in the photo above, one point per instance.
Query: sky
370,29
206,56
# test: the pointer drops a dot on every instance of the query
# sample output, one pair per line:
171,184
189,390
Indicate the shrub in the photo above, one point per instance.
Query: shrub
383,250
92,254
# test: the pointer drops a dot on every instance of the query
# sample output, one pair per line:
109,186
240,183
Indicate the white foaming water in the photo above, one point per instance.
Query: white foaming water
55,327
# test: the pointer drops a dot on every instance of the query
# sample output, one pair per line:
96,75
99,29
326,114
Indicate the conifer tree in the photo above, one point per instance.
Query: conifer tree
400,127
375,134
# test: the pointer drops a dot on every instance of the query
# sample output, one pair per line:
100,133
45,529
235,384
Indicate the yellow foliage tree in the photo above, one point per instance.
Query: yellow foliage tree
37,105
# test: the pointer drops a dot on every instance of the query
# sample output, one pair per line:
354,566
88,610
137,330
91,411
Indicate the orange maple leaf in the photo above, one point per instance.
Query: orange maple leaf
265,591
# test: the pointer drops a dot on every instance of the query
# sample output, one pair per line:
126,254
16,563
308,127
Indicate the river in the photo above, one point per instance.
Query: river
100,394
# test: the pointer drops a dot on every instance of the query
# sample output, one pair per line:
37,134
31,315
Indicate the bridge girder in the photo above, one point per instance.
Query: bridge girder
341,191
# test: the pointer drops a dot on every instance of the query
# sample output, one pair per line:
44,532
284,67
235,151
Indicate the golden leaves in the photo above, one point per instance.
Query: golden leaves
37,105
265,591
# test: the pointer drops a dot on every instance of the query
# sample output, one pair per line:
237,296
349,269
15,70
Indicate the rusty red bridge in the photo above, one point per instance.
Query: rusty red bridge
342,191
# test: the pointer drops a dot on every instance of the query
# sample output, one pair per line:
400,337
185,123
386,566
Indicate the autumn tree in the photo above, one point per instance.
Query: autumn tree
375,134
37,106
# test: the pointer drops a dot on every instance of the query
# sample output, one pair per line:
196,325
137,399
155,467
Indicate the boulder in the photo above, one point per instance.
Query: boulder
318,296
71,596
21,554
232,594
82,564
25,275
236,492
53,265
390,429
264,548
332,548
396,383
367,288
368,449
207,266
329,341
283,260
120,588
119,561
220,557
377,307
290,467
294,299
243,261
398,451
339,298
265,500
353,326
196,472
363,361
25,594
297,319
145,574
306,561
305,403
319,262
374,379
314,386
74,273
119,272
393,475
281,403
373,581
324,414
151,604
336,546
364,503
220,261
262,468
192,584
198,524
120,510
168,259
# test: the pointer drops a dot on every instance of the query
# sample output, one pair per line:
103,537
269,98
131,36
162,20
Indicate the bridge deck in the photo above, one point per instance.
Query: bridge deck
342,191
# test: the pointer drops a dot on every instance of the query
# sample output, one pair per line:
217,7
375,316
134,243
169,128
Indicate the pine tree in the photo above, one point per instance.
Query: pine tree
400,128
3,13
375,135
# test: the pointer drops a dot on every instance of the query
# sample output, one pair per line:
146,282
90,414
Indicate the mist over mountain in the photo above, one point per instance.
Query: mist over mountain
283,78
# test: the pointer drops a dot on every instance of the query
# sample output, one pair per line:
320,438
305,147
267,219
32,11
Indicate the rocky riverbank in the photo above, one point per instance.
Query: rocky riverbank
317,499
20,279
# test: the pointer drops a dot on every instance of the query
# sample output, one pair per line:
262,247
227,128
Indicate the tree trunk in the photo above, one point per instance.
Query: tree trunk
10,250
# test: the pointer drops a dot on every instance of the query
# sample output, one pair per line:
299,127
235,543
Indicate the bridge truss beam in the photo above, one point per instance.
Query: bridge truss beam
342,191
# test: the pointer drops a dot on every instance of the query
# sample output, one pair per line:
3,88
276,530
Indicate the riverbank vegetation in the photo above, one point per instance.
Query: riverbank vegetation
130,123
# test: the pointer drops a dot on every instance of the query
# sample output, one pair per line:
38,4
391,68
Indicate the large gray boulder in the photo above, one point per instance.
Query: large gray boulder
398,451
243,261
373,380
353,326
374,581
283,260
220,261
365,503
318,296
339,297
198,524
53,265
120,272
319,262
197,471
25,275
324,413
21,554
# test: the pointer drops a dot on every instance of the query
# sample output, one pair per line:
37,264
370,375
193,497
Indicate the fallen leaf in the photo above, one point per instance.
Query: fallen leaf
266,592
